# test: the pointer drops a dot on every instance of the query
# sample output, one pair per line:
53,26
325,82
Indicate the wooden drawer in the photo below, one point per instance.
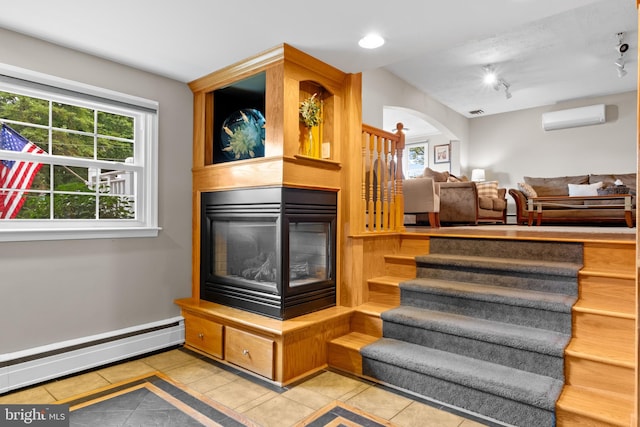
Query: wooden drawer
203,334
249,351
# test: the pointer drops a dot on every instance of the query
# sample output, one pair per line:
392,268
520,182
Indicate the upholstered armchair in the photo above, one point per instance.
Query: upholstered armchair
422,198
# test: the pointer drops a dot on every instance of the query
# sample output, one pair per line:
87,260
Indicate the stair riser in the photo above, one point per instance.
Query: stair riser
366,324
569,252
566,418
516,358
600,376
555,284
473,400
608,293
384,294
400,270
611,332
525,316
345,359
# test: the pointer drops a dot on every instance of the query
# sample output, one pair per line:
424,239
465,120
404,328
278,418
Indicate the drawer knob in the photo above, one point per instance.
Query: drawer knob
245,352
201,335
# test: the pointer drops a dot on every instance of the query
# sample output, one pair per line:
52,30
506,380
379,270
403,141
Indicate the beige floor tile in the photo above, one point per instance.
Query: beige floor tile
420,415
379,402
194,371
308,397
470,423
237,393
125,371
35,395
76,385
255,402
332,384
169,359
279,412
210,382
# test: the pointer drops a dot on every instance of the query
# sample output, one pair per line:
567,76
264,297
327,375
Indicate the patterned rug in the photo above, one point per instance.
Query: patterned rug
156,400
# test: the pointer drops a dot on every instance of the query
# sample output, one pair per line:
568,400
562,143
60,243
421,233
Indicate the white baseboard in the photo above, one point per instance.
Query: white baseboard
28,367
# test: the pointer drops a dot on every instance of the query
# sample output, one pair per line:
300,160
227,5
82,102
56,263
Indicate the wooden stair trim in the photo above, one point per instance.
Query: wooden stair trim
400,259
607,407
599,273
354,340
608,313
373,308
387,280
597,355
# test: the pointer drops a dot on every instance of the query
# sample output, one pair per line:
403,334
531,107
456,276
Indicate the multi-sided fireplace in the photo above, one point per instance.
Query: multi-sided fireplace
269,250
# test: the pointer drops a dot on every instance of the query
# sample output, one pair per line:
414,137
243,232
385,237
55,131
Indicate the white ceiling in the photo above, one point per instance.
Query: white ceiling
547,50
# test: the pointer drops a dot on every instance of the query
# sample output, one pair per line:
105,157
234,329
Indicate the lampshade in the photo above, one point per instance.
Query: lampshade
477,175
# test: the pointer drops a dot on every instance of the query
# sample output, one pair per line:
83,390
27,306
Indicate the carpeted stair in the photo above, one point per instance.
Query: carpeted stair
483,327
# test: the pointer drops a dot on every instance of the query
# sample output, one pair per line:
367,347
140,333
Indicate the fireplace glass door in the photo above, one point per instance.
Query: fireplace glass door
269,250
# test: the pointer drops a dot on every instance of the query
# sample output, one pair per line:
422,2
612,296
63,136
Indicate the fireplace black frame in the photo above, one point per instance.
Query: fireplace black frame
280,207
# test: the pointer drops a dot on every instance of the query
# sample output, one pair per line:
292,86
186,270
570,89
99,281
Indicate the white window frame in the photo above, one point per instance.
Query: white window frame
145,224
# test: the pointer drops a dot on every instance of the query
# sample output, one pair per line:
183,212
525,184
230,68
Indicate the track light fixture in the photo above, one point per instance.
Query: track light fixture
492,79
620,67
621,48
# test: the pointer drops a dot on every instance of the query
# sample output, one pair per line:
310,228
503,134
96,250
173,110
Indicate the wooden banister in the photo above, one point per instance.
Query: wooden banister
381,190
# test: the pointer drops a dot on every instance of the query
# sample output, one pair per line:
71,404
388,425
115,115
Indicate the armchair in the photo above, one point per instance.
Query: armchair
422,198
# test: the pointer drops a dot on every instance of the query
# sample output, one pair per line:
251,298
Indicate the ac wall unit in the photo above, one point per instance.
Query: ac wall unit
574,117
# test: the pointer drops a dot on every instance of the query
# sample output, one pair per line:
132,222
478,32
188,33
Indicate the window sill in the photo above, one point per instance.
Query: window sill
24,235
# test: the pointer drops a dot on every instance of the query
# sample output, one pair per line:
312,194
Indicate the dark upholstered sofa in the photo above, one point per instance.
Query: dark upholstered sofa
559,186
466,202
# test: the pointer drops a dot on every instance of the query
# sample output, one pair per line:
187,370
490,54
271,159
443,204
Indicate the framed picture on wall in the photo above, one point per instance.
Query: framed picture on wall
417,158
442,153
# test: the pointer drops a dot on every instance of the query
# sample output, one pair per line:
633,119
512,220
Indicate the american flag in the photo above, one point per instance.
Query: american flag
16,176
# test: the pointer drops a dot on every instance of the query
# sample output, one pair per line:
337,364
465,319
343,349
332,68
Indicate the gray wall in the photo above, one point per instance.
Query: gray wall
380,89
52,291
513,145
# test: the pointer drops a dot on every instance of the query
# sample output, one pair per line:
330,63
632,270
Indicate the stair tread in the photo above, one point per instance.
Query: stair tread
515,264
498,294
374,308
615,408
603,352
517,336
354,340
387,280
534,389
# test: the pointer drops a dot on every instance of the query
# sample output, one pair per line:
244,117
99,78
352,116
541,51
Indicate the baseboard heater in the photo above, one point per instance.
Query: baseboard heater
40,364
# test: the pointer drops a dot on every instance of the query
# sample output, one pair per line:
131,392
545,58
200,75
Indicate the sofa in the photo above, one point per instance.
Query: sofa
462,201
588,184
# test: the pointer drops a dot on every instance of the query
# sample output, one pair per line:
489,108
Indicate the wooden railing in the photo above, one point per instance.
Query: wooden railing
381,191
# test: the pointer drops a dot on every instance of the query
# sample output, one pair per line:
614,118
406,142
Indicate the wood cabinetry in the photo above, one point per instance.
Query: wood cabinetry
274,83
280,350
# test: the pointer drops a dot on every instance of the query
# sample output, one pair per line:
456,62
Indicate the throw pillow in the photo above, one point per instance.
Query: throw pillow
437,176
487,189
527,190
584,189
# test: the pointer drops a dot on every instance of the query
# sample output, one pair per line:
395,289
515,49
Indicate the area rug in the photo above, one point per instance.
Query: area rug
153,400
156,400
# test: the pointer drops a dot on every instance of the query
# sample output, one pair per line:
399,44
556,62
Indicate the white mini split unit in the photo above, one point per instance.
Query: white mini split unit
574,117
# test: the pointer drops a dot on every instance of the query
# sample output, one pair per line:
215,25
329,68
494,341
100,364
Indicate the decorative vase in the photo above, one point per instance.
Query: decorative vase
312,142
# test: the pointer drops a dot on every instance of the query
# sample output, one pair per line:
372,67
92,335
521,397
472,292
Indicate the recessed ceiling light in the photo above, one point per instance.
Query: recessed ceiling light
371,41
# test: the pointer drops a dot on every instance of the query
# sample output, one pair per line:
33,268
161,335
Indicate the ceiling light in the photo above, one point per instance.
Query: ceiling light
371,41
621,47
490,76
620,67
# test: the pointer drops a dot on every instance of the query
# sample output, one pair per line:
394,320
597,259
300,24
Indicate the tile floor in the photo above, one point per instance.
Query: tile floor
266,404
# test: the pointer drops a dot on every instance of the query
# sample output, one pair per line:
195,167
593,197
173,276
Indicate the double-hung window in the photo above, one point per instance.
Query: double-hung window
76,161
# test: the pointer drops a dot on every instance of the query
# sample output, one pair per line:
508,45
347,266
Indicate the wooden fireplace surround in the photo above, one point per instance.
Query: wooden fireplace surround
279,350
